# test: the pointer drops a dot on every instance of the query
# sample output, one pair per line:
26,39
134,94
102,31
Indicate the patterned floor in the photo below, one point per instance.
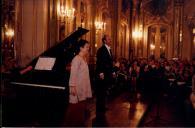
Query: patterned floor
124,110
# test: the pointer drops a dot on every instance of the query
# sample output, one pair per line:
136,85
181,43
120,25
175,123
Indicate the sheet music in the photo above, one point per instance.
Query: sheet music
45,63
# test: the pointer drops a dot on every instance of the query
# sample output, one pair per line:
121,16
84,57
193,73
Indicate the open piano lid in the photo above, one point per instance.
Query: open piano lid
66,45
63,53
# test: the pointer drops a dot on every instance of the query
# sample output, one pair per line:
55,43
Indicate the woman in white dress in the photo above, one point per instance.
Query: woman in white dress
79,86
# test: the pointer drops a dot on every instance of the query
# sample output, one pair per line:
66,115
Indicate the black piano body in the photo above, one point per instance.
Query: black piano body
56,78
38,92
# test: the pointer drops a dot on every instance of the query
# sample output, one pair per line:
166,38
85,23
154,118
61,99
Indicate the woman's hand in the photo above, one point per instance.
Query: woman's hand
73,90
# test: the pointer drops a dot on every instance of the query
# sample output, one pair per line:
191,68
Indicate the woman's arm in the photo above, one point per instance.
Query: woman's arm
73,75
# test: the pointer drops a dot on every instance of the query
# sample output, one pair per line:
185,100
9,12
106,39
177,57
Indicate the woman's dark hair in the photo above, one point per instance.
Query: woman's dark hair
80,44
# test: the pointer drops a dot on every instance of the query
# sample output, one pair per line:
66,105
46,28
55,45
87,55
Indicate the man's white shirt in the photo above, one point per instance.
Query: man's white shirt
108,48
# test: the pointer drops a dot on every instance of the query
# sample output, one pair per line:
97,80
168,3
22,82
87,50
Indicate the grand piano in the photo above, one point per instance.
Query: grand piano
41,88
56,76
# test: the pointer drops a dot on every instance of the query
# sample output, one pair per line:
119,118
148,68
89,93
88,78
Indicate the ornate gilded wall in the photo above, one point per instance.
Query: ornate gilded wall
168,25
138,28
39,25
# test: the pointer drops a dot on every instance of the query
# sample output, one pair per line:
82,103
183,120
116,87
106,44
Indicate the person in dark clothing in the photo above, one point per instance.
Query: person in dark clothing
104,74
134,73
142,76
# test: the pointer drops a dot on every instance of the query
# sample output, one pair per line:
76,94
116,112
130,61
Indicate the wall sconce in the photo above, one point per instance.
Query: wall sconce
100,25
137,34
9,33
152,46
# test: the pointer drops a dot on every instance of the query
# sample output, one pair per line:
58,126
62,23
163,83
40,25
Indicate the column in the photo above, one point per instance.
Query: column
157,42
178,29
135,26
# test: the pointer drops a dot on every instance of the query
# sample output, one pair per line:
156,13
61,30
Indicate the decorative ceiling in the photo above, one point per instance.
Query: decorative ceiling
157,7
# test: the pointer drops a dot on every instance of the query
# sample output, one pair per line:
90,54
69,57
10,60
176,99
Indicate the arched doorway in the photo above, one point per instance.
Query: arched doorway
157,41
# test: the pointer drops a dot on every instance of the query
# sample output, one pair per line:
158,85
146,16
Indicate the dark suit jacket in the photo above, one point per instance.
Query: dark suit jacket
104,63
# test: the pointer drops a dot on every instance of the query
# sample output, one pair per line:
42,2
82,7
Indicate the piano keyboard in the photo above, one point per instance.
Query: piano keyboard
39,85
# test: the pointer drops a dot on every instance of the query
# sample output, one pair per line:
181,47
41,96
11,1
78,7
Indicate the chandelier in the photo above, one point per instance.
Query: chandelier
66,12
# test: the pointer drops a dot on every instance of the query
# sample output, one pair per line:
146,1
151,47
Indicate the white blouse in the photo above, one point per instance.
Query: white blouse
79,77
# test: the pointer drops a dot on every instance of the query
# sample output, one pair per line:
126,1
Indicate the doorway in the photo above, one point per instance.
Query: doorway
157,41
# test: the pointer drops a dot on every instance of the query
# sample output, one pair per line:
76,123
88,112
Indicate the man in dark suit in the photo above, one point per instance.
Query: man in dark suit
104,73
